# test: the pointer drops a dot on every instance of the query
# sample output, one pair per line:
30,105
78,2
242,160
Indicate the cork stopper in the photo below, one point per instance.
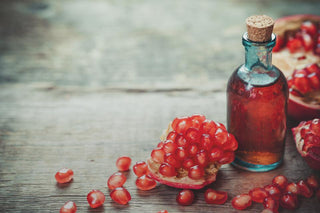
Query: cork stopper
259,28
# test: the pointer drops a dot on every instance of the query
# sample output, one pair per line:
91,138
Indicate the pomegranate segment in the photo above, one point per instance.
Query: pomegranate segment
185,197
116,180
215,197
120,195
68,207
192,151
123,163
95,198
241,202
145,183
306,136
64,175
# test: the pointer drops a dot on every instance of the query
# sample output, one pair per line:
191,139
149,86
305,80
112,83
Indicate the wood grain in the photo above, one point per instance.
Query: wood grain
83,82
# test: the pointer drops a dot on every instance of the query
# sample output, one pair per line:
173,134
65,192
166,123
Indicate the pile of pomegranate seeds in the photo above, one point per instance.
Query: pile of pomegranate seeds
95,198
68,207
64,175
185,197
193,145
305,80
280,193
307,38
123,163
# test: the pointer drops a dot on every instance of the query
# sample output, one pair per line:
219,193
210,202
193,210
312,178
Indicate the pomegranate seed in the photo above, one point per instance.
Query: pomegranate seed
294,44
280,181
172,160
193,135
169,146
289,201
292,188
221,137
270,203
227,157
215,197
158,155
172,135
315,126
313,182
163,211
120,195
209,127
304,189
201,158
241,202
196,120
231,143
302,84
185,197
188,163
140,168
215,154
95,198
180,125
123,163
68,207
167,170
181,140
309,27
181,153
64,175
307,41
196,172
145,183
116,180
279,44
258,194
192,149
160,145
206,142
314,81
273,191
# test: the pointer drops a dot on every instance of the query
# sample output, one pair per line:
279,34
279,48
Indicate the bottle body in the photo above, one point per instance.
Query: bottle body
257,95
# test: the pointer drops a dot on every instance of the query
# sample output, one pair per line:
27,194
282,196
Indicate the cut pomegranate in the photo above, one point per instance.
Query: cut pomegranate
68,207
306,136
215,197
185,197
64,175
145,183
116,180
280,181
297,46
140,168
241,202
120,195
192,152
258,194
289,201
304,189
95,198
123,163
312,182
273,191
270,203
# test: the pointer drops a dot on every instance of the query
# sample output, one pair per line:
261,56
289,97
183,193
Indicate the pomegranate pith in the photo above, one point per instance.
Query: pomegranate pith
120,195
123,163
185,197
95,198
192,151
64,175
68,207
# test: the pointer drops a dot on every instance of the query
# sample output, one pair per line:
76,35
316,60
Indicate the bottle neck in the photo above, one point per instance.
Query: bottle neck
258,55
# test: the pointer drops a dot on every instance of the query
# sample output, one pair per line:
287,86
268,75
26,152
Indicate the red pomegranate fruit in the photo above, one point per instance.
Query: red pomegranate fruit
191,152
297,50
307,138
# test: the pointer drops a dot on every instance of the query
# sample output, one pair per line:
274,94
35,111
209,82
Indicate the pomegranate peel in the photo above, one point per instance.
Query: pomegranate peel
191,140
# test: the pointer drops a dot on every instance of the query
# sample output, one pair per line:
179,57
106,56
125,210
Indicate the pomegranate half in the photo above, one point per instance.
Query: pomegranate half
191,152
307,138
298,46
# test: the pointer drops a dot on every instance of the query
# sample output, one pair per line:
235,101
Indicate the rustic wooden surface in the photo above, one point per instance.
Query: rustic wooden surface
83,82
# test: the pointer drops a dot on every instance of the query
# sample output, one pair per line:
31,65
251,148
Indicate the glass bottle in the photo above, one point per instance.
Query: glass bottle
257,96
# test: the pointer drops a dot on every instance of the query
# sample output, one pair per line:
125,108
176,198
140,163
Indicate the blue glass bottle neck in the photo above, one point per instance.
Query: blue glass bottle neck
258,54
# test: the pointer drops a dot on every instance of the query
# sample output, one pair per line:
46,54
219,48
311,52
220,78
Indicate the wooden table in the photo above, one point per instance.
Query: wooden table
84,82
